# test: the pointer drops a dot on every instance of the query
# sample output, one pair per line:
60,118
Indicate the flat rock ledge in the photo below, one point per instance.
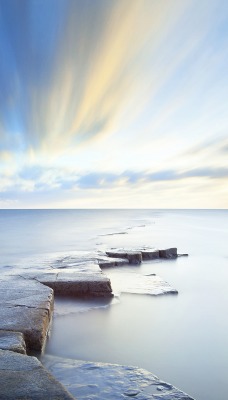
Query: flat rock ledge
133,257
25,308
99,381
141,284
13,341
72,282
139,255
23,377
106,261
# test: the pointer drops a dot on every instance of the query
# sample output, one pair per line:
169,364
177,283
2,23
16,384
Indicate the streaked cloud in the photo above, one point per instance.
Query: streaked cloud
115,97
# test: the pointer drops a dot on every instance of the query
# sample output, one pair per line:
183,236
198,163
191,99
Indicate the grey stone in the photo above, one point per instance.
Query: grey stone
168,253
23,377
13,341
134,257
149,254
79,284
128,282
26,306
106,262
99,381
84,280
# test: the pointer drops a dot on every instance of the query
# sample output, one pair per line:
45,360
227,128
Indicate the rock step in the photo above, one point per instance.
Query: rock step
68,282
24,377
13,341
168,253
105,262
134,257
142,254
26,307
149,254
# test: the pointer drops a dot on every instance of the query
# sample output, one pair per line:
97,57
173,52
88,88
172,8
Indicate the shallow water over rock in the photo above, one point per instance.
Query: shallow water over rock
99,381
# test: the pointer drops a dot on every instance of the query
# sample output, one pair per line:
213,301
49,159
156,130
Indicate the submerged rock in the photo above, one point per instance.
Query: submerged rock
128,282
24,377
99,381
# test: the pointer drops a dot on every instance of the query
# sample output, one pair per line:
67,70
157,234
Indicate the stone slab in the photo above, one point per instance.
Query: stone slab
131,282
142,254
13,341
134,257
26,306
99,381
70,282
23,377
78,279
168,253
149,254
106,262
78,284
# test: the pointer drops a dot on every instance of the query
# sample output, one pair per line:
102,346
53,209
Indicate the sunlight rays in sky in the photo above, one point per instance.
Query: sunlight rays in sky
113,103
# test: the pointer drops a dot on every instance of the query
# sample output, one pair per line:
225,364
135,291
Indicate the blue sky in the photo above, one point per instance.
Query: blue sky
113,103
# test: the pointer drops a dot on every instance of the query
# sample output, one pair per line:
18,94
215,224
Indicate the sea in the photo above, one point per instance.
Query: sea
183,339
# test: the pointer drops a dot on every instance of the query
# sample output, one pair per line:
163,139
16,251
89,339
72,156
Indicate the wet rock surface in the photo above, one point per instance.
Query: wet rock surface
149,254
98,381
134,283
13,341
24,377
143,254
78,275
105,262
26,308
88,281
134,257
168,253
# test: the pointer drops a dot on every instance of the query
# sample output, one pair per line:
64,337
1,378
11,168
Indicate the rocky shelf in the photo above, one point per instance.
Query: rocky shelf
141,254
99,381
26,308
24,377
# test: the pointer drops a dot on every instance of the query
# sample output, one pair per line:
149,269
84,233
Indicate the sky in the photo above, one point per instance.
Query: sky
113,104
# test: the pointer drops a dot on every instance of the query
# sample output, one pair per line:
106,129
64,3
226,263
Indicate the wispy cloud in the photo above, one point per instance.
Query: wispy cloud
105,96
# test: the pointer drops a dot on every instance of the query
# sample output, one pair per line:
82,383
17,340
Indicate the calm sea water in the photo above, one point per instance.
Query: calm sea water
182,339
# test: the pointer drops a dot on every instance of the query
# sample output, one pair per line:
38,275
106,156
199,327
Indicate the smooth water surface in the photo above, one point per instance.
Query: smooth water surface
181,338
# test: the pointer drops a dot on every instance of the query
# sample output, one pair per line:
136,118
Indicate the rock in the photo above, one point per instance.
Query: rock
168,253
134,257
26,306
121,262
88,285
24,377
128,282
13,341
99,381
106,262
69,282
149,254
83,280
